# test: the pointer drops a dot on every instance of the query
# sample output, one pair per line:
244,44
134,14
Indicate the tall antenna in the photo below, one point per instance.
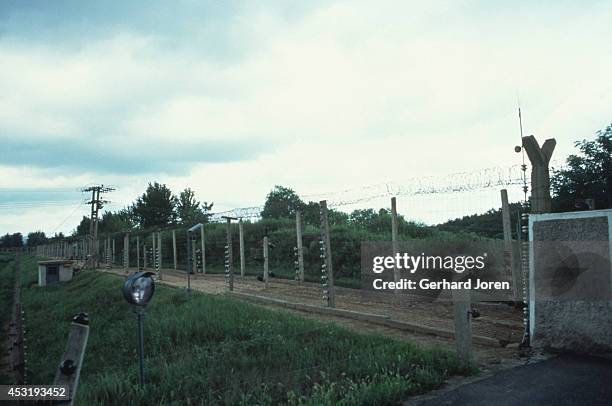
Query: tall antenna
522,150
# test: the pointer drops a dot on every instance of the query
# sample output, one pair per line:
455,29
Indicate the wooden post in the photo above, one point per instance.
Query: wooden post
331,294
203,250
241,238
463,323
174,248
266,272
540,178
300,246
144,256
113,251
69,369
394,241
137,252
509,248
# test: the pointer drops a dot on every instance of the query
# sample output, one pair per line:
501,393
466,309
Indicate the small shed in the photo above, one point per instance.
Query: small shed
55,271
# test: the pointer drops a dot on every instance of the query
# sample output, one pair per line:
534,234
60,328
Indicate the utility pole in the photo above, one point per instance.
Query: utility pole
96,205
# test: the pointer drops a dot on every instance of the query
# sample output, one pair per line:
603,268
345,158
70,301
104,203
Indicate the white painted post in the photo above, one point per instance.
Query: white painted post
174,248
203,250
300,246
241,238
463,323
266,261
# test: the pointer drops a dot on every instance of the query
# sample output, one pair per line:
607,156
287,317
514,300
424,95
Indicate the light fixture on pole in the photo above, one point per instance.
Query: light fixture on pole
138,290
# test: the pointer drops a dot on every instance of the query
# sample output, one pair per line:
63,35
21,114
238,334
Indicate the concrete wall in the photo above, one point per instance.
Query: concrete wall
570,281
65,273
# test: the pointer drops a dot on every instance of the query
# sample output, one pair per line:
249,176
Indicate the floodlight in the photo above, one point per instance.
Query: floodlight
138,288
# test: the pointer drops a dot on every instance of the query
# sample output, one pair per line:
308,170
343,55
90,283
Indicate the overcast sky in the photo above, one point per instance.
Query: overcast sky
231,98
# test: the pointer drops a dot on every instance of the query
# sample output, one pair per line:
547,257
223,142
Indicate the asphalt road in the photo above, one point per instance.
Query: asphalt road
566,380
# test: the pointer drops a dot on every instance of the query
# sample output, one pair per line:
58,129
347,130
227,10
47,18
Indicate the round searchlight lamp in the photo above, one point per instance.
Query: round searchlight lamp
138,288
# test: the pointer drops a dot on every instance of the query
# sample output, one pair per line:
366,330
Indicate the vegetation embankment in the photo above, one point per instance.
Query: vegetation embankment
216,350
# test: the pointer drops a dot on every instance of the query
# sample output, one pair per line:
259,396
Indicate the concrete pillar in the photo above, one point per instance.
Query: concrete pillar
540,177
510,253
154,251
160,258
266,246
203,250
394,240
174,248
300,245
241,238
137,252
126,252
463,323
230,255
331,293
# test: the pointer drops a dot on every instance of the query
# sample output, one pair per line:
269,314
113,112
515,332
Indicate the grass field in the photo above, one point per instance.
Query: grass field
7,284
217,350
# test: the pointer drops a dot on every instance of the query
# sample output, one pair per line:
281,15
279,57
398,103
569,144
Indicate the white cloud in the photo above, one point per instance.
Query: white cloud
348,94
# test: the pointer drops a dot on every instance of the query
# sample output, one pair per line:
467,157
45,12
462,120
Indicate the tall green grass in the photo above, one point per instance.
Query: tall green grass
217,350
7,285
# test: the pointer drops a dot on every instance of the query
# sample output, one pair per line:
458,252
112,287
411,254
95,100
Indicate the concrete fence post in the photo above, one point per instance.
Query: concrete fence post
144,256
203,241
266,246
329,292
229,255
126,252
540,177
137,252
241,240
300,245
463,323
160,258
394,241
174,249
510,252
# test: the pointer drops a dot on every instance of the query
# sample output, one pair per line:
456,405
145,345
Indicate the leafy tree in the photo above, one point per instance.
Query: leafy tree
83,227
281,202
36,238
14,240
189,210
115,222
588,175
156,207
488,224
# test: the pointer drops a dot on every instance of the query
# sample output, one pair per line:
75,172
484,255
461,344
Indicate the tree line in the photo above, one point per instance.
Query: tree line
587,176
